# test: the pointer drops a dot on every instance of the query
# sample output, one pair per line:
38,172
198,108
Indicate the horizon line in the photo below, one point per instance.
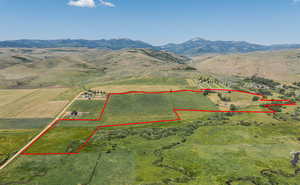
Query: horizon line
140,40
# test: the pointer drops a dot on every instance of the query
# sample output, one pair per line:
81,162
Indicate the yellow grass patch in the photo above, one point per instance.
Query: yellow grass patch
9,96
43,110
124,88
191,82
33,103
216,100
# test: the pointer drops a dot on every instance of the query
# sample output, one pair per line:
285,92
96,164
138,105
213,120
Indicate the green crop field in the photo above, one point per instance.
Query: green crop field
132,108
60,140
192,100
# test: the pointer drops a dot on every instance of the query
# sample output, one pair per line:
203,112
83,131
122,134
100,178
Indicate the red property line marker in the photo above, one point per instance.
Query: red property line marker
49,153
88,139
176,112
195,110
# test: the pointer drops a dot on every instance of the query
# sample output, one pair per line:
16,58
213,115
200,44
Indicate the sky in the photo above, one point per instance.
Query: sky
154,21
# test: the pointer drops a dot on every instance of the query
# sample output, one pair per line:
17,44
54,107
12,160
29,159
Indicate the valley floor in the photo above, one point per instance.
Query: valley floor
208,146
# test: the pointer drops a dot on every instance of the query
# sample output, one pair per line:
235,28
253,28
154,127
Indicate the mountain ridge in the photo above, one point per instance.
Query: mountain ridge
192,47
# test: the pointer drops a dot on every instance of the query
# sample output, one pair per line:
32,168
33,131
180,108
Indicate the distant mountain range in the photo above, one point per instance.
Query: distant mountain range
113,44
201,46
196,46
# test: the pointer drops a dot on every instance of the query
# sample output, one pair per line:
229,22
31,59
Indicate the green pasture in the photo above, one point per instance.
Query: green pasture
191,153
12,140
130,108
192,100
60,140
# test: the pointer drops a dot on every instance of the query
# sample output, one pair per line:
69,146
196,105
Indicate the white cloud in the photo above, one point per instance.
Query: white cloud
82,3
106,3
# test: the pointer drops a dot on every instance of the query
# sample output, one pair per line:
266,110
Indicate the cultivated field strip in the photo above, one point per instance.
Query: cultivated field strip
36,103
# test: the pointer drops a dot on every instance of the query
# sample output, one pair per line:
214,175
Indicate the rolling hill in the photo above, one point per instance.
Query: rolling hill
67,67
276,65
21,68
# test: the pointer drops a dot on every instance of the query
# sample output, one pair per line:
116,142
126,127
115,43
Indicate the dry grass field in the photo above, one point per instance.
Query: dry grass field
125,88
9,96
32,103
192,82
277,65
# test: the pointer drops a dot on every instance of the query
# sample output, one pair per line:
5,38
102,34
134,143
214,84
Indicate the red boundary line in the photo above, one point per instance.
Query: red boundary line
178,118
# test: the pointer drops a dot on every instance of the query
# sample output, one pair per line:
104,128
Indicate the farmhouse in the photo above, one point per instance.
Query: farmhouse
74,113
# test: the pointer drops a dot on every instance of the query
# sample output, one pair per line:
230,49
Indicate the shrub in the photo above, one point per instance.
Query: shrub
264,81
255,98
233,107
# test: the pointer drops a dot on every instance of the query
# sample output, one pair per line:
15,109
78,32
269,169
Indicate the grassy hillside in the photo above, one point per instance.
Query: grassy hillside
277,65
27,68
21,68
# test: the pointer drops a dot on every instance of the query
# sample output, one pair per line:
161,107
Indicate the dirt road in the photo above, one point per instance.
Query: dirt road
41,133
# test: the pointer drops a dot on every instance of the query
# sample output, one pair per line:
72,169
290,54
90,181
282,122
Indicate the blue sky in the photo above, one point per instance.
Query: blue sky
153,21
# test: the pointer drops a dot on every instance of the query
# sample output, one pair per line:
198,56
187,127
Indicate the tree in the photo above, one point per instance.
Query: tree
264,92
255,98
290,94
233,107
281,91
277,108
